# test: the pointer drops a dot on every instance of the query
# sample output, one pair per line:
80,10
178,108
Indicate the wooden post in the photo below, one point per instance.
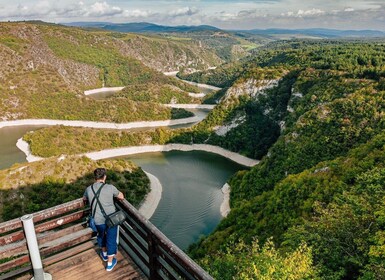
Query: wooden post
153,258
33,249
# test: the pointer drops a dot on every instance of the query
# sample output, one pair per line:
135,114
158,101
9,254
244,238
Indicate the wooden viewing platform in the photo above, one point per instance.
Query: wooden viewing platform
68,248
88,265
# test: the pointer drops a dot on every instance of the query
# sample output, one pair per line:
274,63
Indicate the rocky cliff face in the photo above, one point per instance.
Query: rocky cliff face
167,55
252,88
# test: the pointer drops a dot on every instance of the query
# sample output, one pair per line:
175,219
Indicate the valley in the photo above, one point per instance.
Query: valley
308,114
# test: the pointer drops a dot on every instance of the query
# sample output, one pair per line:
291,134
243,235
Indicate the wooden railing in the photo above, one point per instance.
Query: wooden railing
61,233
58,228
152,251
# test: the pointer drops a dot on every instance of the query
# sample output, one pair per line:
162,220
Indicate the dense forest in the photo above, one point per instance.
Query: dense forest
319,189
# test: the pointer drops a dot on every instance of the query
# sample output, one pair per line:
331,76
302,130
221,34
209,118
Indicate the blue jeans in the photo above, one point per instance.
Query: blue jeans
107,238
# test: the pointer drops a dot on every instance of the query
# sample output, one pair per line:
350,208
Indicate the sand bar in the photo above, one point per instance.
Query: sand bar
151,201
103,89
108,125
173,73
191,106
24,147
117,152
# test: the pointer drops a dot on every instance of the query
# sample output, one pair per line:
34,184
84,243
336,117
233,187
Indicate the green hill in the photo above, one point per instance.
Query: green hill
46,68
319,133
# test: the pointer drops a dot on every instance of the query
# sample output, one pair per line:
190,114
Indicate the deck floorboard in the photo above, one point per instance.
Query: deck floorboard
88,265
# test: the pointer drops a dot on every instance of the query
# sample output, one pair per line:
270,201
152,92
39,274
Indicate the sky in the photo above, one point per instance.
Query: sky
226,14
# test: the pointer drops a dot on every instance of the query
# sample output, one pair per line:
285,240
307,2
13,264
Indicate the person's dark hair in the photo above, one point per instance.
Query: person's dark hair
99,173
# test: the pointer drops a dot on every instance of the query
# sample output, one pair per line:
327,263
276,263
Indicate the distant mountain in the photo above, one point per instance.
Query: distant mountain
96,24
318,32
146,27
143,27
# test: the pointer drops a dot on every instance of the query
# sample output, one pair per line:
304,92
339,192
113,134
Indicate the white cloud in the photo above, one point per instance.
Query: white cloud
185,11
303,13
356,14
137,13
104,9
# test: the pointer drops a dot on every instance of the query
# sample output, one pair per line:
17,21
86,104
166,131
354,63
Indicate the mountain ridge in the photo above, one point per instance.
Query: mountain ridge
143,27
147,27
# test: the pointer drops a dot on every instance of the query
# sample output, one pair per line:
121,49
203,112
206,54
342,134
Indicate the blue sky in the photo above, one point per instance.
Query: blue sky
245,14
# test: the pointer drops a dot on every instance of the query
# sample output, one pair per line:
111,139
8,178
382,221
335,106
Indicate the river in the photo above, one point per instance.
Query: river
192,181
191,198
9,153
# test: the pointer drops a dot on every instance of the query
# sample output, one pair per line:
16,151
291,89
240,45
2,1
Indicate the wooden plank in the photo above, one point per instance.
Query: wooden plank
19,235
143,245
138,254
68,253
66,242
21,246
12,274
74,268
54,235
43,215
11,238
166,263
14,263
13,249
88,265
59,221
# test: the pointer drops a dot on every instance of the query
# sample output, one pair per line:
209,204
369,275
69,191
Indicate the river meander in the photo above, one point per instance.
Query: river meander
191,198
192,181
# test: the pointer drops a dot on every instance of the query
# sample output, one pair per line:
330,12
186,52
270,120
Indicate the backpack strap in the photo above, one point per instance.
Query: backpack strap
96,196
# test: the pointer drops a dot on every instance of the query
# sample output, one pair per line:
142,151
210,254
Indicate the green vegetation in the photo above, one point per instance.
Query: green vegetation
318,193
223,76
245,262
45,73
12,42
164,94
321,181
28,188
57,140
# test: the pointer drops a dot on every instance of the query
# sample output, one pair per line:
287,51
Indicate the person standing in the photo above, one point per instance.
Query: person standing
106,236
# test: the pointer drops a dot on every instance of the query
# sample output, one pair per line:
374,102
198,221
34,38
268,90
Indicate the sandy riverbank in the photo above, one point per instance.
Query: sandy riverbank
173,73
225,206
173,147
103,89
151,201
197,95
202,85
191,106
108,125
24,147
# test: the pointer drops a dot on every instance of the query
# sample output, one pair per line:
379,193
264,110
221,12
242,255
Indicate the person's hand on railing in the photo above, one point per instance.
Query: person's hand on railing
120,196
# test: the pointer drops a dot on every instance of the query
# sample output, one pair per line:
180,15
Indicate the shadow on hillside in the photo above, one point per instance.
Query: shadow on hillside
28,199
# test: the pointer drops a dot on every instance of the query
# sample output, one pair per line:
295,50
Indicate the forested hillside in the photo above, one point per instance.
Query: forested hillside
320,181
47,65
